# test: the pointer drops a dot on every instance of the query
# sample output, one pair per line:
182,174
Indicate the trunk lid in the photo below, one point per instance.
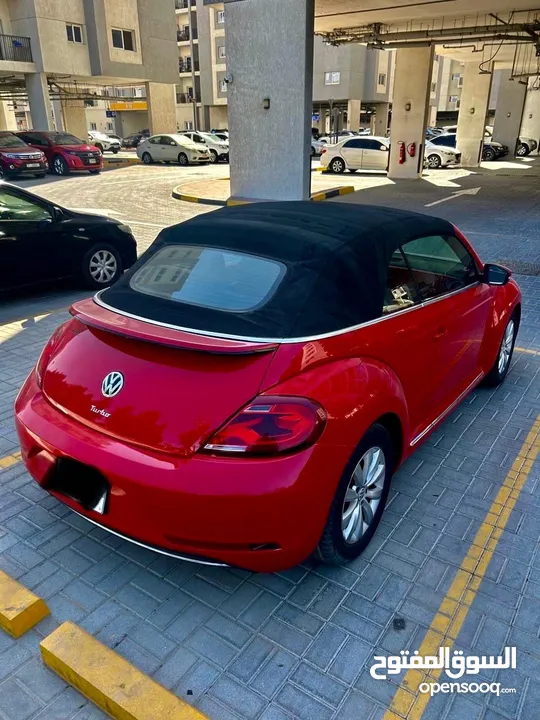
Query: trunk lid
173,388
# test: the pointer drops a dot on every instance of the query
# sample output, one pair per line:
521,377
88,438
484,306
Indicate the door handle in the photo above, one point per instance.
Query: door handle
440,333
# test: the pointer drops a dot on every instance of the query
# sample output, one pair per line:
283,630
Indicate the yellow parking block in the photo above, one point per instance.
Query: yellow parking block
111,682
20,609
9,460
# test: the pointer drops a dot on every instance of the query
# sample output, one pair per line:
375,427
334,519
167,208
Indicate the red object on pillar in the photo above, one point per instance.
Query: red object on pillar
401,150
411,149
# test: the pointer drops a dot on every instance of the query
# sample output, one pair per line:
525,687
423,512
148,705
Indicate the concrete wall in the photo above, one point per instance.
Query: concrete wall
530,125
376,62
123,15
5,17
510,99
219,117
348,60
130,122
183,113
161,107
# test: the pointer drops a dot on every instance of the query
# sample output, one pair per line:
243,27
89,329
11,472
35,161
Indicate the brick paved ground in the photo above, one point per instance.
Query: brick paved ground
296,644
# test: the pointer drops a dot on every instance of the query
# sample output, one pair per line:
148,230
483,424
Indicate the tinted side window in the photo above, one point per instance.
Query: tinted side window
156,140
14,207
354,144
446,140
401,291
371,144
34,139
439,265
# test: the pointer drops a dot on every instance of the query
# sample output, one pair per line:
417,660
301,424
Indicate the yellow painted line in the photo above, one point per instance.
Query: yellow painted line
111,682
526,350
408,702
20,609
10,460
189,198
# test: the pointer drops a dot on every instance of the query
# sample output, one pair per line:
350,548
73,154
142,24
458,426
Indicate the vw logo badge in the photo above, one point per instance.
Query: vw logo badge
112,384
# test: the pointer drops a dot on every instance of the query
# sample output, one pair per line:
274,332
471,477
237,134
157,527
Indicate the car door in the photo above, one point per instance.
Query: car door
29,249
374,155
455,311
351,151
155,147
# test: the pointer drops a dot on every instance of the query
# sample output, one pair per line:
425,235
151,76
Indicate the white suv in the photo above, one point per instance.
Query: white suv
103,142
219,149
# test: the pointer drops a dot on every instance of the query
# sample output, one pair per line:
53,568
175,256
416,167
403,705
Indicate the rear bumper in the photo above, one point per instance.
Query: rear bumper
263,515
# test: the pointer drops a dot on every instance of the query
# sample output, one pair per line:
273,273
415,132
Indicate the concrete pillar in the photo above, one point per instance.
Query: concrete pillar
161,100
7,117
39,101
509,110
74,117
410,105
530,126
57,112
381,119
354,108
432,116
472,114
269,100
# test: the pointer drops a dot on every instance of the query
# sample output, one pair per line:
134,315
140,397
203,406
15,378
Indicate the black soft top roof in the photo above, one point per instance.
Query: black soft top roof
336,254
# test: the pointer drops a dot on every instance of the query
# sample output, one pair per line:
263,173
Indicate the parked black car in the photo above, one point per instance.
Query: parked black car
131,141
491,151
42,242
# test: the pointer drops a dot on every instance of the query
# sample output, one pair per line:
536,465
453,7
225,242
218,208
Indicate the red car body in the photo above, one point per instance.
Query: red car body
65,153
406,371
18,159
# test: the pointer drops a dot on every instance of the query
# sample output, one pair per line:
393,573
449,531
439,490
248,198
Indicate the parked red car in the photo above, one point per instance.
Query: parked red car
259,374
65,153
18,159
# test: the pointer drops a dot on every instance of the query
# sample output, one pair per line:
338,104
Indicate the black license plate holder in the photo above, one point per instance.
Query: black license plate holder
82,483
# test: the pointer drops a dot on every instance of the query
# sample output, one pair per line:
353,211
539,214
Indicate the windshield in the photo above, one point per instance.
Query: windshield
213,138
65,139
11,141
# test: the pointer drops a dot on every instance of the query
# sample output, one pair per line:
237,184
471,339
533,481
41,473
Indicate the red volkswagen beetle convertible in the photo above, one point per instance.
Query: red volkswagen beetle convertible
245,392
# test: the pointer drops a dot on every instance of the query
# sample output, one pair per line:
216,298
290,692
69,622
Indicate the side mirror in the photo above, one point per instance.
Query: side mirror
496,274
57,214
44,224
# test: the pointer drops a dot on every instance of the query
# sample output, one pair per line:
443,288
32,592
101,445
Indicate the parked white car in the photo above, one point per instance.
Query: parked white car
357,153
437,156
172,148
317,146
219,149
104,142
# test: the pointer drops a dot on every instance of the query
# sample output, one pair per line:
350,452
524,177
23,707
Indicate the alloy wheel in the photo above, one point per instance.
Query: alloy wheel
522,150
337,165
59,166
434,162
507,344
182,159
363,495
103,266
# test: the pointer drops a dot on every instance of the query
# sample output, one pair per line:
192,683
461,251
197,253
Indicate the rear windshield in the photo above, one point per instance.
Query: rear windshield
209,277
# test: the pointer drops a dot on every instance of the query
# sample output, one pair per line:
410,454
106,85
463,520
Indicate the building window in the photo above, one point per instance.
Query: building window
460,81
332,78
109,126
123,39
382,79
93,126
74,33
453,99
222,86
221,52
221,16
188,125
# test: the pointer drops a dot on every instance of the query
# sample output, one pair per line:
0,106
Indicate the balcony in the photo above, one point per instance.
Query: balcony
181,4
185,98
186,66
183,35
15,48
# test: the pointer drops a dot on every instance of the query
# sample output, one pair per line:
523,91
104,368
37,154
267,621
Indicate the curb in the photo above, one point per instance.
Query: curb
112,163
20,609
108,680
316,197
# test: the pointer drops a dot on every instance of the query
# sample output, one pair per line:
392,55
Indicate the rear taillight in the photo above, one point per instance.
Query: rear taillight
74,327
269,426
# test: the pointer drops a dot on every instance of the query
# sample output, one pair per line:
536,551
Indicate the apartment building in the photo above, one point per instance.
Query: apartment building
57,57
352,84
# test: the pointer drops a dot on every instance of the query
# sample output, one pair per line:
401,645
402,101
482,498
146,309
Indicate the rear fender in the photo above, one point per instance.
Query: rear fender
355,394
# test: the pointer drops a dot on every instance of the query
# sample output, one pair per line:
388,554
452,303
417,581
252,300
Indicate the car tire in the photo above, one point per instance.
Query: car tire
353,170
523,150
340,541
434,161
336,165
183,159
101,256
147,158
502,363
312,152
213,157
489,155
99,147
115,150
60,166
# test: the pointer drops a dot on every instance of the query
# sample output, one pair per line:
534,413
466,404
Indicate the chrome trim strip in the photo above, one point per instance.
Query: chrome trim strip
285,341
448,409
177,556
